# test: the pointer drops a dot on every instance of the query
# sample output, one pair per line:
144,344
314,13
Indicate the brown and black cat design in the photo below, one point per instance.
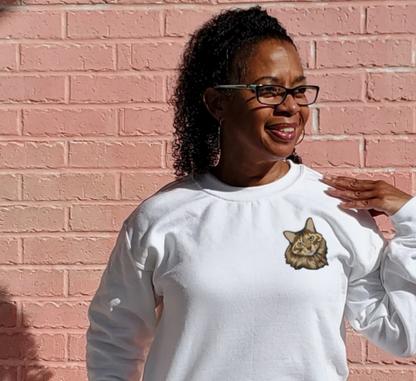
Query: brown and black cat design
307,248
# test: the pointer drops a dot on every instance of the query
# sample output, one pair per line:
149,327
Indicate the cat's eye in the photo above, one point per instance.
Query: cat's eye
299,243
311,238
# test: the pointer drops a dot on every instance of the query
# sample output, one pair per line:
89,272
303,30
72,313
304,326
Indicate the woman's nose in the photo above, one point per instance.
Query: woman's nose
289,105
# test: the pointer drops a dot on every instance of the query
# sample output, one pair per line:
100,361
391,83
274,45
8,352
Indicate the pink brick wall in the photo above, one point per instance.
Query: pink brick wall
85,132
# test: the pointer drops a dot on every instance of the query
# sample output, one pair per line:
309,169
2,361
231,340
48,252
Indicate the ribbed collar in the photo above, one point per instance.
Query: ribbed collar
210,184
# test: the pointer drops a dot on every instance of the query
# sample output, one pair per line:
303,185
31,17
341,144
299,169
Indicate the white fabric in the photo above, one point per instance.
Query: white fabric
213,256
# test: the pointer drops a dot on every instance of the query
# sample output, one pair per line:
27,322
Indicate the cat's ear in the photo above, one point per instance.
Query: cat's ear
290,236
309,225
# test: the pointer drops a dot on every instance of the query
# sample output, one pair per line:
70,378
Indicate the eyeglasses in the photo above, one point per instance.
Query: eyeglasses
274,95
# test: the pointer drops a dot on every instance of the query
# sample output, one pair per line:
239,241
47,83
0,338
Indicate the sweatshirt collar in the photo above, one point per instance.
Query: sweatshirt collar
210,184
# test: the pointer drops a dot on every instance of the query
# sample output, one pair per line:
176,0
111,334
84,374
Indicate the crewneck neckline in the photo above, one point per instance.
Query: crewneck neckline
210,184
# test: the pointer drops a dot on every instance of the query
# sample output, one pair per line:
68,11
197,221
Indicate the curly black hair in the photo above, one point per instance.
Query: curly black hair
213,56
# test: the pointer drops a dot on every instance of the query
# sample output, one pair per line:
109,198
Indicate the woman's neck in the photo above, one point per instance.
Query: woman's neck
249,175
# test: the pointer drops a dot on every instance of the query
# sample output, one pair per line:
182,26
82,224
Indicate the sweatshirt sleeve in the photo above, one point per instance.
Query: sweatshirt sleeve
382,303
122,317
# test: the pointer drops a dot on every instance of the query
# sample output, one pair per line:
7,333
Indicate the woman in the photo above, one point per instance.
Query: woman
245,267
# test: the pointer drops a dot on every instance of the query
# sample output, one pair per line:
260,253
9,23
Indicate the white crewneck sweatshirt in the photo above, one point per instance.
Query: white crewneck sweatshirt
198,287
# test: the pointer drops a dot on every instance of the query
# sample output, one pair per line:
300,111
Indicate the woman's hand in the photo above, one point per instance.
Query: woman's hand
378,196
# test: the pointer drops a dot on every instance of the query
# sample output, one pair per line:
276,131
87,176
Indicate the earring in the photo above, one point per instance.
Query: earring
301,139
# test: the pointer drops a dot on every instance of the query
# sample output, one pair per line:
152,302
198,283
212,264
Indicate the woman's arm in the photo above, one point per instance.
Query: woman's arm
122,318
382,303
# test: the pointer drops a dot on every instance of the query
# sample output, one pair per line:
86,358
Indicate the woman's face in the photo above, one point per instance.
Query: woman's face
260,132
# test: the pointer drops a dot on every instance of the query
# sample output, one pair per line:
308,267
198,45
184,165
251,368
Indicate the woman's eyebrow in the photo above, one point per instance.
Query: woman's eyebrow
299,79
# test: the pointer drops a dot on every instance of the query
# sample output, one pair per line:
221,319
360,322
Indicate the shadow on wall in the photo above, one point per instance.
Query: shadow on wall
17,344
6,4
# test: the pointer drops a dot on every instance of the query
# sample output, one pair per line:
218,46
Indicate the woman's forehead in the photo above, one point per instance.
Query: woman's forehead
275,61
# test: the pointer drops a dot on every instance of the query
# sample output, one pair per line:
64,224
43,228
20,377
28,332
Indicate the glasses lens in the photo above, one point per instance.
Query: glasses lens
305,95
271,95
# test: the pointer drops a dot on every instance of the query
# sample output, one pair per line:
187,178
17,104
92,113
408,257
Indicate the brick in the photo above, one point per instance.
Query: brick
390,152
9,189
116,89
384,224
73,122
338,87
169,156
8,373
330,153
23,219
377,355
114,24
181,22
27,155
380,375
32,88
32,347
56,314
33,282
156,56
99,217
364,53
141,2
67,373
140,186
48,347
263,1
146,121
305,53
76,347
122,154
60,2
60,57
355,348
29,373
392,86
69,186
317,21
31,24
8,313
391,19
366,120
9,249
124,56
84,282
9,122
170,86
8,57
67,250
188,1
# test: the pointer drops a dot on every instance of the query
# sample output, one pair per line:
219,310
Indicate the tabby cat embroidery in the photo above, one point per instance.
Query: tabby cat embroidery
307,248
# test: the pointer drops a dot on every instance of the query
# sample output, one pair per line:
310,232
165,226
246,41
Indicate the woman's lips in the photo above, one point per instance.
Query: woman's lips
285,131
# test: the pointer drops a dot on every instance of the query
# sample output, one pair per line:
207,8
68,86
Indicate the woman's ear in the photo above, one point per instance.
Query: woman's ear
214,101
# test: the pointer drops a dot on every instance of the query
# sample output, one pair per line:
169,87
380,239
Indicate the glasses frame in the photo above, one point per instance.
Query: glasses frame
255,88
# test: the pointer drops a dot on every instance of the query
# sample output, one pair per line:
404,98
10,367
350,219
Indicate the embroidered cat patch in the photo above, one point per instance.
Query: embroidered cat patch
307,248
